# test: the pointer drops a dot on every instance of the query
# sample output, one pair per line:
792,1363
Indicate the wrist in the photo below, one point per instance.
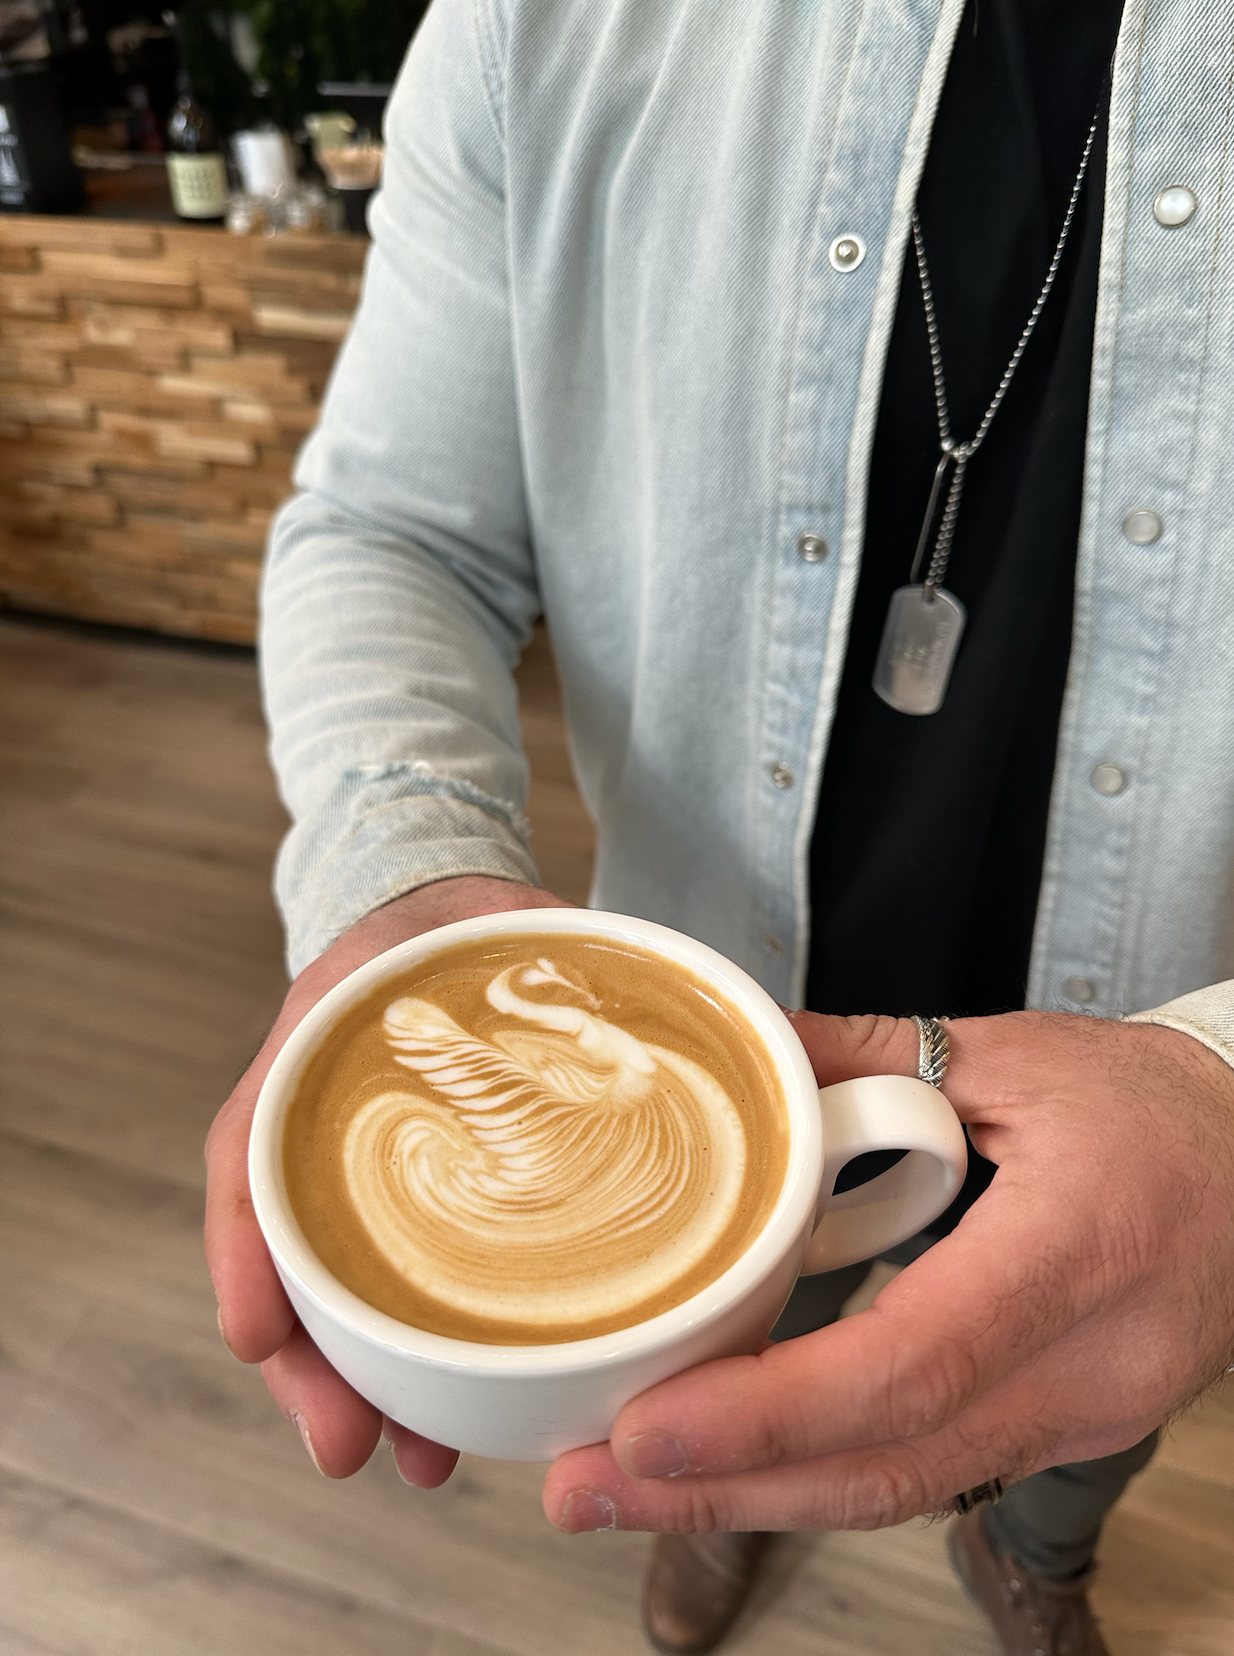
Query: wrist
1207,1015
438,903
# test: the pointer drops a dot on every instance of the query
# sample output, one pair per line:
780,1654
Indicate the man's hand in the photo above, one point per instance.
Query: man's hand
1083,1300
340,1430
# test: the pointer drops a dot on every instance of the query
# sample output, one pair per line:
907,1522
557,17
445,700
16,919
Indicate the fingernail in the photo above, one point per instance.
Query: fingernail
653,1455
397,1467
301,1426
223,1331
584,1509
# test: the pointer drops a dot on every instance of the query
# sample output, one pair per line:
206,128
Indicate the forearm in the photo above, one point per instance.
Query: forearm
400,585
394,725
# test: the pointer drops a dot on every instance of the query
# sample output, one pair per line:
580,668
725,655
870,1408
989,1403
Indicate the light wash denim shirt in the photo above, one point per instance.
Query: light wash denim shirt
610,364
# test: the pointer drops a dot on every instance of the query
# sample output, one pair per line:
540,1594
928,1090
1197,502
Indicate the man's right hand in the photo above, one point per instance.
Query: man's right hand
340,1430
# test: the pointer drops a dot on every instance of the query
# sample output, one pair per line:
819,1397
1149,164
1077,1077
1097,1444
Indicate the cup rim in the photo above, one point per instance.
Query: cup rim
796,1203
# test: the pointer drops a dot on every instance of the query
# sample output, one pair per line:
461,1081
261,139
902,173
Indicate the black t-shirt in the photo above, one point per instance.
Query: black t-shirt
930,836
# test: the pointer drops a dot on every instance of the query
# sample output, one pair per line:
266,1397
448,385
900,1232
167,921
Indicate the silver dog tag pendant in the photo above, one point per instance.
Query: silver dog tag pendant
920,640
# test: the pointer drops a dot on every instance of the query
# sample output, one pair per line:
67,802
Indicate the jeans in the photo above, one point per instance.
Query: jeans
1049,1523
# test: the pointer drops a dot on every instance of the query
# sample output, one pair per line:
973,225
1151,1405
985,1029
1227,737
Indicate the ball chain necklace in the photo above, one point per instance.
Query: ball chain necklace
925,621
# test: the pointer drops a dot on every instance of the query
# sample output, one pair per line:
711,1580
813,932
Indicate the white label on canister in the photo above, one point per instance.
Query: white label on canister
198,185
264,160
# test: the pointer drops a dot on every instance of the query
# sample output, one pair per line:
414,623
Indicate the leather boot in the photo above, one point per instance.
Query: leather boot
695,1588
1032,1615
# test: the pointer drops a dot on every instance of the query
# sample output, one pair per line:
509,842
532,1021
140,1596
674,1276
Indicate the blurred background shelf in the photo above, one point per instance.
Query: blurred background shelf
158,374
139,192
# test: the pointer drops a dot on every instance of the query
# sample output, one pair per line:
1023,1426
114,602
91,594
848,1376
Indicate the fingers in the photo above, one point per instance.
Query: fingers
976,1308
1013,1431
340,1430
992,1060
587,1490
255,1315
1026,1339
419,1460
843,1048
338,1427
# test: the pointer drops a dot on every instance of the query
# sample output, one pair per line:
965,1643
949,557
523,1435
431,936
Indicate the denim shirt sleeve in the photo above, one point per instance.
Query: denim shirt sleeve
400,586
1206,1014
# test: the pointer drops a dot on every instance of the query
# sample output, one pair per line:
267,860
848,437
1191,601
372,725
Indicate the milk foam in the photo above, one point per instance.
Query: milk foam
559,1170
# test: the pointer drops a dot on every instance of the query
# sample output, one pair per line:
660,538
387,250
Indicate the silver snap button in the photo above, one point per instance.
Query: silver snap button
1142,527
1174,206
1108,780
781,776
1079,989
811,548
846,252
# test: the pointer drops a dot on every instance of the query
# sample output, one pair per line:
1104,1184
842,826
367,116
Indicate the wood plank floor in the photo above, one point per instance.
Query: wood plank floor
152,1500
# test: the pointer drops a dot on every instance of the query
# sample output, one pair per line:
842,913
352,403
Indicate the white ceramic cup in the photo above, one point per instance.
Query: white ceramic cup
534,1402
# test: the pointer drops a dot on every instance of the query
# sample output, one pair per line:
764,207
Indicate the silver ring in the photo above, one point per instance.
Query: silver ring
933,1050
970,1499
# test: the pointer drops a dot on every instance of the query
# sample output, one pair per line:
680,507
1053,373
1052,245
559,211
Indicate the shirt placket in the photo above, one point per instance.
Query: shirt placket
848,294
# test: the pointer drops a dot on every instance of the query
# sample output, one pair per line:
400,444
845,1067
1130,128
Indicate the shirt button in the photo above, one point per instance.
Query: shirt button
782,776
1174,206
1080,989
1142,527
773,945
1108,779
811,548
846,252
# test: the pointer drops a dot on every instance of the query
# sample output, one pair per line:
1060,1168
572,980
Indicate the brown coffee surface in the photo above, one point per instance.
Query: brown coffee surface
536,1139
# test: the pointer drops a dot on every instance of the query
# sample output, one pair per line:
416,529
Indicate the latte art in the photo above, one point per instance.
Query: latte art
537,1144
561,1170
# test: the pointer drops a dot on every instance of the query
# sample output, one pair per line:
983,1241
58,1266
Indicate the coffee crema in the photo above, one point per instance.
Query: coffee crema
535,1139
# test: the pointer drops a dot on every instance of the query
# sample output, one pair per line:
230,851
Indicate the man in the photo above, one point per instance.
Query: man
648,342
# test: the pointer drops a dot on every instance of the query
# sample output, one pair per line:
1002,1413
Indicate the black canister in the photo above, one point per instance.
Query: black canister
37,174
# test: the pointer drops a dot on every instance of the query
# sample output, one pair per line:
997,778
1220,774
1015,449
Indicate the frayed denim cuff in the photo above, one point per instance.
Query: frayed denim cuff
381,832
1206,1014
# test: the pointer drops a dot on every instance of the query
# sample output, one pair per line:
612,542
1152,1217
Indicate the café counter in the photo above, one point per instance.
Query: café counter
155,383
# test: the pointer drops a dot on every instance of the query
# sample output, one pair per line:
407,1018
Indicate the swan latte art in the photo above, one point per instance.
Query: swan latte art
536,1139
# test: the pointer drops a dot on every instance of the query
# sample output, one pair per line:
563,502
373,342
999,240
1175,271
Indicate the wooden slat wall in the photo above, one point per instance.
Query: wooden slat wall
154,387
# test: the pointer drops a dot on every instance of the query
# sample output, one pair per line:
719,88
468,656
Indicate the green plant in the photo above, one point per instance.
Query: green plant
206,52
300,43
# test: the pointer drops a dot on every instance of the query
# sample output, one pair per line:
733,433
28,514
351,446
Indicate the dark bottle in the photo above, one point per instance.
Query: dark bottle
196,168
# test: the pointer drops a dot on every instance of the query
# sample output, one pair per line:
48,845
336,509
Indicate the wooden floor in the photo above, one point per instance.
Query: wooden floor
152,1500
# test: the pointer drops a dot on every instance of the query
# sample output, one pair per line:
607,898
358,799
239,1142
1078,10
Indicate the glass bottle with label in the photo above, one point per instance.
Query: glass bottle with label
196,168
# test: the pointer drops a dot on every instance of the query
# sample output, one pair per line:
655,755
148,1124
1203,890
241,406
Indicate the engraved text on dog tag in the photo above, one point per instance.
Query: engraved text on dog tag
919,646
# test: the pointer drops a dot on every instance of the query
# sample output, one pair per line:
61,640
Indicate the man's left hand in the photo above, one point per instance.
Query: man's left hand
1085,1298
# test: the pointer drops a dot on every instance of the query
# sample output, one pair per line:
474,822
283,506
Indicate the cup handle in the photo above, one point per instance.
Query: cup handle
883,1112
